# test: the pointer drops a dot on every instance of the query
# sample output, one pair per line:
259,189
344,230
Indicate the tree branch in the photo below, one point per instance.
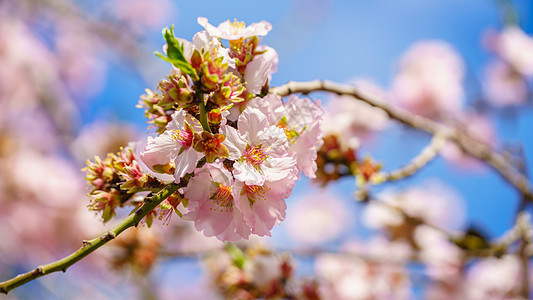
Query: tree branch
468,144
89,246
421,160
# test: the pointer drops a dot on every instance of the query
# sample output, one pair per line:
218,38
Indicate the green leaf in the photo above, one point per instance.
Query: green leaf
107,213
238,256
175,53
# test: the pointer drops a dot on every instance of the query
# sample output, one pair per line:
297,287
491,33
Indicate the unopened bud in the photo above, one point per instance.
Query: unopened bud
214,117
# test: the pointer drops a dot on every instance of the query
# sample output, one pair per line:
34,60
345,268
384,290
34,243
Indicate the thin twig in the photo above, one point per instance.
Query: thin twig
89,246
468,144
421,160
525,241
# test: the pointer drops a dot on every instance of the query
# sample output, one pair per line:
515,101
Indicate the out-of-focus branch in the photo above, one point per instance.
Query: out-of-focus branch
525,241
89,246
421,160
468,144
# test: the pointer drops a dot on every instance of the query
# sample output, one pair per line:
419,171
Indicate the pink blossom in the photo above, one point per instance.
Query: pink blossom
100,138
138,149
443,258
80,64
212,204
503,86
235,30
494,278
263,206
478,127
345,276
203,42
432,202
301,120
175,144
259,149
260,69
516,48
352,119
140,14
256,74
429,80
271,55
317,218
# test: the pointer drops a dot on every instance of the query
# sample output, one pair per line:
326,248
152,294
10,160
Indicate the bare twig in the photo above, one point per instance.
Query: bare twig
468,144
89,246
421,160
523,223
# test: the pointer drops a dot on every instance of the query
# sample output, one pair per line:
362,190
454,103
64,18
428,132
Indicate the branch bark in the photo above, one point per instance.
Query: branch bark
89,246
468,144
421,160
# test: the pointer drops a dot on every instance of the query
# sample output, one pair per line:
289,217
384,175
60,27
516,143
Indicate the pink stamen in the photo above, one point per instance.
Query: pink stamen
255,192
183,137
255,156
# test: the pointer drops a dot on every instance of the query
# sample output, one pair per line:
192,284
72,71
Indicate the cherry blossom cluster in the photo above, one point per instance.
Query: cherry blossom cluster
115,180
236,149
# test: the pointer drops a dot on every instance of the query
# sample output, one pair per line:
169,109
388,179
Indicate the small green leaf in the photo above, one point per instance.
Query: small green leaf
107,213
149,220
238,256
175,53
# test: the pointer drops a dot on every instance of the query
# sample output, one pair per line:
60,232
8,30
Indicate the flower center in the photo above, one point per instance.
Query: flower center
223,198
183,137
236,26
255,156
291,134
254,193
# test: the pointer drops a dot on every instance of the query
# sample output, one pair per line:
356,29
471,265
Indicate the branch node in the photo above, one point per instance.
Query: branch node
86,243
3,290
108,236
38,271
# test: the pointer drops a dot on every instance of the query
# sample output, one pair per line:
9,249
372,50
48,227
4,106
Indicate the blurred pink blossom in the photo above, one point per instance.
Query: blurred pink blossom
494,278
432,202
516,48
317,218
478,127
344,277
79,62
442,257
429,80
503,86
354,120
141,14
102,137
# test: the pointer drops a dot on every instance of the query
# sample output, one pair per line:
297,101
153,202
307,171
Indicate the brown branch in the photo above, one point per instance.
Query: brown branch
421,160
468,144
89,246
525,240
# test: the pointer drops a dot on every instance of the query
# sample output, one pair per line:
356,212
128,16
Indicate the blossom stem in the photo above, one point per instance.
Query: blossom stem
468,144
89,246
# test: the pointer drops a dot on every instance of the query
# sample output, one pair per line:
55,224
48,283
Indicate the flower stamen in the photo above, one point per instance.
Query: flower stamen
223,198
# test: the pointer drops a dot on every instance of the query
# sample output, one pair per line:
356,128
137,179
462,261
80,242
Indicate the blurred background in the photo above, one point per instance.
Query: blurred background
72,72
